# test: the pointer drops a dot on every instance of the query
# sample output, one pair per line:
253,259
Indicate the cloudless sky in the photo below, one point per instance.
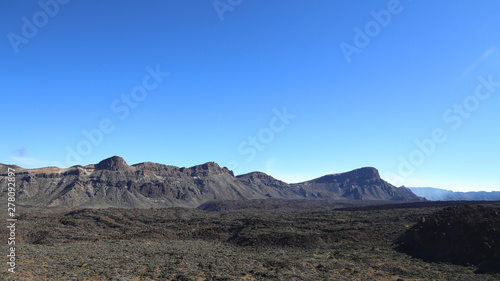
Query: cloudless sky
296,89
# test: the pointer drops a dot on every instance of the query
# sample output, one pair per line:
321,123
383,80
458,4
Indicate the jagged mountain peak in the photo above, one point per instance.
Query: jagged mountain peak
258,176
255,174
208,168
151,166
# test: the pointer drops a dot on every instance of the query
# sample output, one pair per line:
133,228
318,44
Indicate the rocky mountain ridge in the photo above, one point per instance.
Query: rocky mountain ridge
114,183
437,194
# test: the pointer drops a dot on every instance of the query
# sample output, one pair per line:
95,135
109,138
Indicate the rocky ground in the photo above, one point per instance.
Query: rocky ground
460,234
190,244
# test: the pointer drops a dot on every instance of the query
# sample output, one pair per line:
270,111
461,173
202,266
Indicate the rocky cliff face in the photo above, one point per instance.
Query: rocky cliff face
114,183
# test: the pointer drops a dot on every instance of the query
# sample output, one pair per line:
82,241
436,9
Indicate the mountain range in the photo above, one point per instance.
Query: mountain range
437,194
114,183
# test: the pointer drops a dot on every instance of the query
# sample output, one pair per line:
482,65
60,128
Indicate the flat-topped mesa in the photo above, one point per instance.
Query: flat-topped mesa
364,173
114,163
358,175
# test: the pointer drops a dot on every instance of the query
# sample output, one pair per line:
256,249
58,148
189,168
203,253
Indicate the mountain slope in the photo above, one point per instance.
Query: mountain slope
437,194
114,183
360,184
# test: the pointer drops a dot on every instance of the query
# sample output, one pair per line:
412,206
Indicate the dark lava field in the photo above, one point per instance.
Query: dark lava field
414,241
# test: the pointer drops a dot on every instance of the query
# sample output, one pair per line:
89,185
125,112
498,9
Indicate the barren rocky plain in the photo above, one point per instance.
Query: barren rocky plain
150,221
235,242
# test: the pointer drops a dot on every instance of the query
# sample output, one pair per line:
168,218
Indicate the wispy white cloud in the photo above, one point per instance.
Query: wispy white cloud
270,165
485,55
27,162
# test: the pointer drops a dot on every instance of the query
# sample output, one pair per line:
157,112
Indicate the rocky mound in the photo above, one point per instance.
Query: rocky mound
114,163
465,235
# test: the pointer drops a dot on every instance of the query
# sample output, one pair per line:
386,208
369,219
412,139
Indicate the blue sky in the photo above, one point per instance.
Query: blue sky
296,89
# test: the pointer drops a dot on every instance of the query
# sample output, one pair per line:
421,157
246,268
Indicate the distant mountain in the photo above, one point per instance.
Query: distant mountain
114,183
360,184
436,194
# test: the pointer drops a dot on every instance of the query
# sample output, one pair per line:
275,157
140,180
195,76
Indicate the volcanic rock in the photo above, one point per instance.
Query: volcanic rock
466,235
114,163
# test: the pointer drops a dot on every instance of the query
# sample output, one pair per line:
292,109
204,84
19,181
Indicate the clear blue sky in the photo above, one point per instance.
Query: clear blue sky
296,89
